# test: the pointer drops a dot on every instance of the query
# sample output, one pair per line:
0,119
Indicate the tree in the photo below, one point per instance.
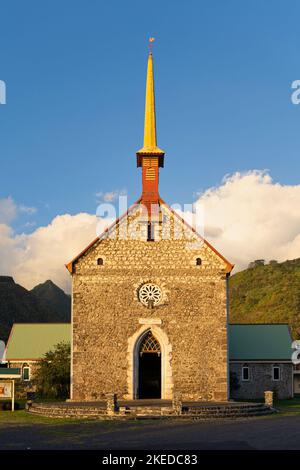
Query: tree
53,374
257,262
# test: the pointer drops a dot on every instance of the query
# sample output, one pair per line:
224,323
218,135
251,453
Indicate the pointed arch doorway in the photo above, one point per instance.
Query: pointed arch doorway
133,359
149,367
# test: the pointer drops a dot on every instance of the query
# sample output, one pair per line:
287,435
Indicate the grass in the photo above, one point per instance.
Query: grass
288,406
22,417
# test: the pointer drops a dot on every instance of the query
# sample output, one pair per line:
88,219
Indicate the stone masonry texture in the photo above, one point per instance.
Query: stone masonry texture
260,374
106,310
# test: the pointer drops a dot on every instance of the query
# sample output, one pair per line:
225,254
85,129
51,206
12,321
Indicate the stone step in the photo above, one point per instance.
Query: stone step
231,407
228,412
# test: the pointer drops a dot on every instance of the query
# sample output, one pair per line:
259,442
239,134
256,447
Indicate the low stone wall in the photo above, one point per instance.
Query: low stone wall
160,409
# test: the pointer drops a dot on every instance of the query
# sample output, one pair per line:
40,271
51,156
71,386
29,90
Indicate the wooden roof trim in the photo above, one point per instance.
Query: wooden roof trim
69,265
228,264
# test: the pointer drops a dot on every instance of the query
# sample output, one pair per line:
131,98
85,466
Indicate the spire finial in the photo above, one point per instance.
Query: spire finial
151,41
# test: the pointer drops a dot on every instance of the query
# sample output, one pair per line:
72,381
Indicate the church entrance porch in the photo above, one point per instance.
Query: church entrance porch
149,384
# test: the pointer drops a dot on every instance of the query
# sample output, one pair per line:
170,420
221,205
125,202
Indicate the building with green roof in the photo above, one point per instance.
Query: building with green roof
260,360
27,345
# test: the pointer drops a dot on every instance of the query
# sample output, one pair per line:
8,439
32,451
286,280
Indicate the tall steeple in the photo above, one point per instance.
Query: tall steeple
150,157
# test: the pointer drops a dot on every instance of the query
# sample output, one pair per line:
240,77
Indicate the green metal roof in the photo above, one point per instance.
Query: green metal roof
33,340
265,342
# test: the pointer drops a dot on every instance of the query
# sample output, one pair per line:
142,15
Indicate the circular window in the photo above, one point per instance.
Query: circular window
150,293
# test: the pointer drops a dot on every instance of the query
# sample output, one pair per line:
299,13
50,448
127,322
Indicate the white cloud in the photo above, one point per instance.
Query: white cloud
41,255
27,210
8,210
249,217
110,196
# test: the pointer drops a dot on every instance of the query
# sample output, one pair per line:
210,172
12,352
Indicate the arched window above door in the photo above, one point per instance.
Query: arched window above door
150,344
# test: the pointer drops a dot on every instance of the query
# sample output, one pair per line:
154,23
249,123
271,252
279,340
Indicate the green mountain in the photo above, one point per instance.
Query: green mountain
267,293
53,298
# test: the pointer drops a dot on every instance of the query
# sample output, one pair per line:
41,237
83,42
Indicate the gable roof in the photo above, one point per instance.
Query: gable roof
70,265
260,342
30,341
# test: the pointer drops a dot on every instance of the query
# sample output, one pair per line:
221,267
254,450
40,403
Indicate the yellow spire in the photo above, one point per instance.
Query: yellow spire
150,146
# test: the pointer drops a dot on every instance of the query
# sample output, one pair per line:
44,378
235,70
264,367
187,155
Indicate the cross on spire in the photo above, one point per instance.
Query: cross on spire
151,41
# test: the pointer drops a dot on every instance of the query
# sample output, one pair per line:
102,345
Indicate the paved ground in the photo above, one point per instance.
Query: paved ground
261,433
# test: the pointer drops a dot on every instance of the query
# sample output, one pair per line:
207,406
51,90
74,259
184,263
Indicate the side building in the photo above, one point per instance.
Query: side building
26,347
260,360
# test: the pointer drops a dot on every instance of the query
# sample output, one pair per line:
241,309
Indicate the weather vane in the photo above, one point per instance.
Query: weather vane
151,41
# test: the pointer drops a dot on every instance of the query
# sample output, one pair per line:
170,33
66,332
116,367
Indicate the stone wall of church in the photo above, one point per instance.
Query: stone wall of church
192,314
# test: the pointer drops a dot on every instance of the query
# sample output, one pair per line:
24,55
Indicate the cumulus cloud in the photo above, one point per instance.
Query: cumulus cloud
41,255
249,216
9,210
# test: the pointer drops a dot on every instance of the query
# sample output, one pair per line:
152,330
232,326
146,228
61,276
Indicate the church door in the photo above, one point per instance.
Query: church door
149,367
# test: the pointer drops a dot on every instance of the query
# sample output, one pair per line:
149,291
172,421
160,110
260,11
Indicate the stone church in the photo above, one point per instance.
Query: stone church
150,300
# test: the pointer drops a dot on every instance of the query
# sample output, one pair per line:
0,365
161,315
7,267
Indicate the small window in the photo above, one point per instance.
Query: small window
26,373
198,261
150,232
245,374
100,261
276,373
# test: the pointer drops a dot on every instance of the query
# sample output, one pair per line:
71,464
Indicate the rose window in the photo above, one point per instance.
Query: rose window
150,294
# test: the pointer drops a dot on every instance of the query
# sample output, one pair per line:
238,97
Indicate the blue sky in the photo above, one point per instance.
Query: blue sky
75,77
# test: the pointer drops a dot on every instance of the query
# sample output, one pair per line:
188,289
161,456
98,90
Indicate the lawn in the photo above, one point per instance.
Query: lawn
22,417
288,406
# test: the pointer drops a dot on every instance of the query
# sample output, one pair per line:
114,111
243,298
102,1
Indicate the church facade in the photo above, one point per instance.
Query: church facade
150,300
